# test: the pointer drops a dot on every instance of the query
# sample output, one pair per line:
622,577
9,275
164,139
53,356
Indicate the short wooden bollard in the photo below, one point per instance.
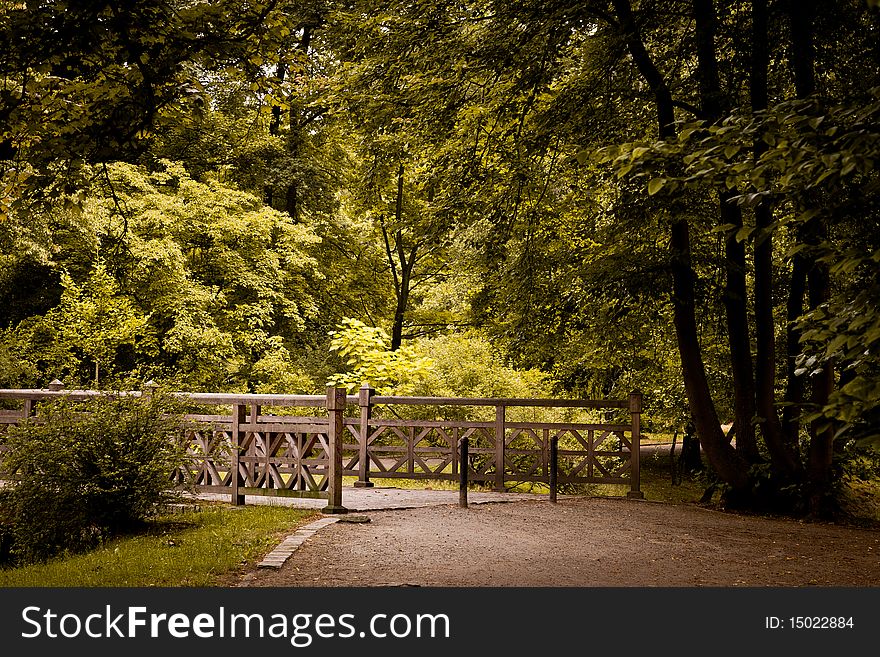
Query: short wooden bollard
554,466
462,472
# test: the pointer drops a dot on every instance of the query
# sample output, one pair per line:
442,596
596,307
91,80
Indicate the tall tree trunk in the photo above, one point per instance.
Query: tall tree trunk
295,138
783,453
714,103
801,14
275,128
738,338
724,459
405,269
794,389
401,264
821,451
407,261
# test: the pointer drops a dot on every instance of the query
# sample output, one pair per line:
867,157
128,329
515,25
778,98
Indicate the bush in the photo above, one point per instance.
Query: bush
6,534
87,471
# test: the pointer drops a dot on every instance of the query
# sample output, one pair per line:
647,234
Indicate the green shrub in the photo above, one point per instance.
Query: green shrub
87,471
6,534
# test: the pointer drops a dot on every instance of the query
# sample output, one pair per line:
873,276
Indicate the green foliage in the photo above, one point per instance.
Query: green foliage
806,145
88,470
82,337
816,155
275,372
426,166
459,365
16,370
95,320
466,365
185,280
368,356
91,82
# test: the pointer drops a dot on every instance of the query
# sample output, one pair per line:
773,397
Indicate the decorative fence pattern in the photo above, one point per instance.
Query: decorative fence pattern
252,452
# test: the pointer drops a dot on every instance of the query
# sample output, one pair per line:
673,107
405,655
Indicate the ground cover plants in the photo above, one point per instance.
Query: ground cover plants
205,545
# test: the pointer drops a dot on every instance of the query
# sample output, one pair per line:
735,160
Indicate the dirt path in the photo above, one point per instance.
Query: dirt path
578,542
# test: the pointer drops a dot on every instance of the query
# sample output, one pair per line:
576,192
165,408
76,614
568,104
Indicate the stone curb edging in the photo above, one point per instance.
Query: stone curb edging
277,557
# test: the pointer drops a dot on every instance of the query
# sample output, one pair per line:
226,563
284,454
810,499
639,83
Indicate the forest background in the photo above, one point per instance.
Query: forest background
482,198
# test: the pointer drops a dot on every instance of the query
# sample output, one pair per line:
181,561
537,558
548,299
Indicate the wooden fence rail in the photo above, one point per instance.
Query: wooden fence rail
249,451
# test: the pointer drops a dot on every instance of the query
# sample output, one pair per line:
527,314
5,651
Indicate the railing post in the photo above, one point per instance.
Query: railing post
28,410
635,411
253,420
238,419
554,465
365,402
335,435
499,448
56,385
463,473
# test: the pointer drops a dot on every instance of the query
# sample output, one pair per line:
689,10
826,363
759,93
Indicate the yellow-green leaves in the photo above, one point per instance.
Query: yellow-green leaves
369,360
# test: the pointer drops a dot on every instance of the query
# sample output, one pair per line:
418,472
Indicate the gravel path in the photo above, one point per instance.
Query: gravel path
584,542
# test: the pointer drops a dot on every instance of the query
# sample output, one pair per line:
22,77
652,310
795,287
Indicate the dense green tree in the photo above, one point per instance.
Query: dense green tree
207,285
91,81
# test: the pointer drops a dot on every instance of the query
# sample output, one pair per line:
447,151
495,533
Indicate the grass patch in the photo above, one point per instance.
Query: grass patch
197,548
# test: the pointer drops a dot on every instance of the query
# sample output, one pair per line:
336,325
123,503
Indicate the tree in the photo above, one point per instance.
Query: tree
90,82
95,321
800,155
371,361
201,280
398,119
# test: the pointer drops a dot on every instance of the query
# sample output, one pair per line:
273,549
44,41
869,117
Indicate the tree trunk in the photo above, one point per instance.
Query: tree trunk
738,339
794,390
714,103
406,261
800,13
783,453
275,129
406,267
295,138
729,465
821,448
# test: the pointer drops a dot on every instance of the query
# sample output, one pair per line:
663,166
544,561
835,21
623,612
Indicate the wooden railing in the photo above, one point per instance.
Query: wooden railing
251,452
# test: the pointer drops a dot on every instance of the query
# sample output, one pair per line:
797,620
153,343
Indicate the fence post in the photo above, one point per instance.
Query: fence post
635,411
499,448
28,410
238,418
336,399
365,401
554,465
149,388
253,417
56,385
463,473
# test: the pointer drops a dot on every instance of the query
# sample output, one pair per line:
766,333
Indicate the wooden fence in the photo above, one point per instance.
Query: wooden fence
258,446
